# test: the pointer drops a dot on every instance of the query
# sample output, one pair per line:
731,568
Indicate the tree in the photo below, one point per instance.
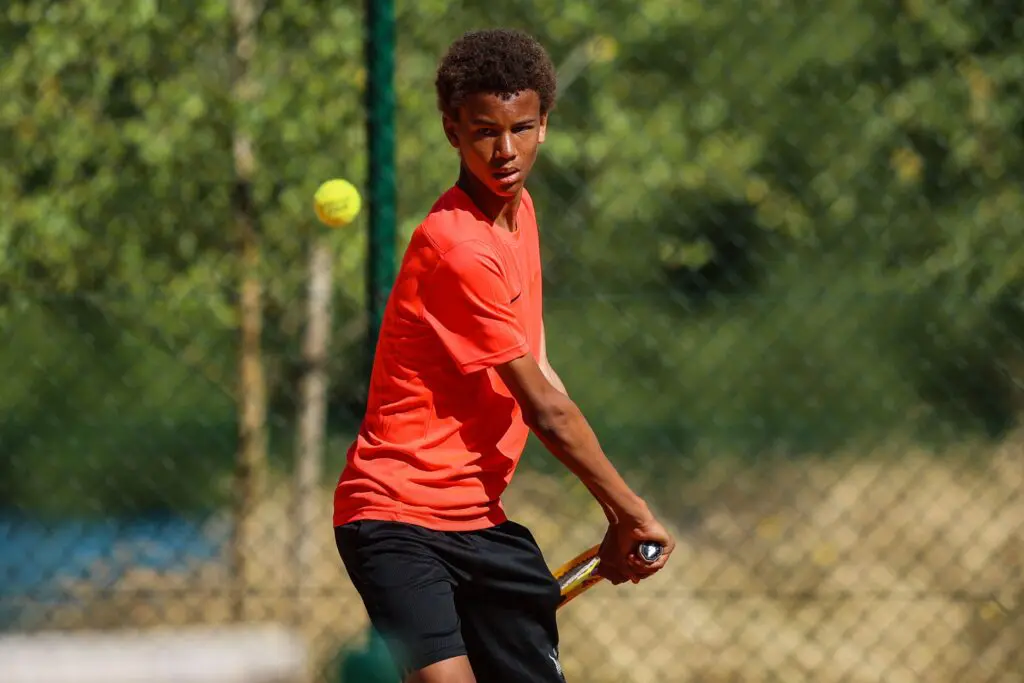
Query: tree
735,204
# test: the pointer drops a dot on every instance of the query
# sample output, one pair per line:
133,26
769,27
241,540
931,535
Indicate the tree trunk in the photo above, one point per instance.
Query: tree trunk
312,418
251,460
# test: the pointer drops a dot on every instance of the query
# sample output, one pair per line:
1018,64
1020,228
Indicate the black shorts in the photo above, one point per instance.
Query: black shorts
433,595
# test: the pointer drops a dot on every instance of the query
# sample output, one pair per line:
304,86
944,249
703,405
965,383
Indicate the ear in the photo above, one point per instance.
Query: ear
543,133
450,130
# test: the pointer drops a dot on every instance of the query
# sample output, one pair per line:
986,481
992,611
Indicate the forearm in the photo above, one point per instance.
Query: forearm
566,433
561,427
552,376
557,383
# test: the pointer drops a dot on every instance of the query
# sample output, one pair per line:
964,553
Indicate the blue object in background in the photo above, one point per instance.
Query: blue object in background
36,557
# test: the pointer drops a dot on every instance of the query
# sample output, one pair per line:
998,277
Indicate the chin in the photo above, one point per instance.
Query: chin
507,190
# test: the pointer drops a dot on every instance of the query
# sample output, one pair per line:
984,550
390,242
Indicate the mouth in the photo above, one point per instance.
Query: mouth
507,176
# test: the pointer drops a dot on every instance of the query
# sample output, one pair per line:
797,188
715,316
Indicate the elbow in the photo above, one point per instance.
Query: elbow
555,418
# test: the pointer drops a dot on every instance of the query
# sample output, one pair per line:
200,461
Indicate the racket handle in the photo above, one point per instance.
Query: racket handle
650,552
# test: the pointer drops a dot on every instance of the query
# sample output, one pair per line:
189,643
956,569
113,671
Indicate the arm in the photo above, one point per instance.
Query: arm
556,382
545,364
562,428
467,302
560,425
551,376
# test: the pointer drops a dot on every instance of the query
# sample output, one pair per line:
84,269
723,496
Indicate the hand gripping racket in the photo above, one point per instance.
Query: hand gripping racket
580,573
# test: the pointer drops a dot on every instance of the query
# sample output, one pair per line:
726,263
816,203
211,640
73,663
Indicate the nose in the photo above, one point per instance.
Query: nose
505,149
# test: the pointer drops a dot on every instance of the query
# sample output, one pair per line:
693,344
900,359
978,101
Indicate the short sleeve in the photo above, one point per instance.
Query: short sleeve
467,301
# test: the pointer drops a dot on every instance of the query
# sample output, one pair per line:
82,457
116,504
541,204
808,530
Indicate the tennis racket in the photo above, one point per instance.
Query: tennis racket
580,573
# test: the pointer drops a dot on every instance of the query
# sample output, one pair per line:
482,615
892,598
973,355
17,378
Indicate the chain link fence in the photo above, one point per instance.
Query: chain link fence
784,263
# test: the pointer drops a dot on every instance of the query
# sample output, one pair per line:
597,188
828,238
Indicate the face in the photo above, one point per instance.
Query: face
498,138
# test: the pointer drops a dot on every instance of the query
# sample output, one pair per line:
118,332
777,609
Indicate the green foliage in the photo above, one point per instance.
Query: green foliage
117,125
784,226
96,418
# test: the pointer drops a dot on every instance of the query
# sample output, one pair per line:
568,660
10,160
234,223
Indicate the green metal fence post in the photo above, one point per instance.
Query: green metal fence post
380,104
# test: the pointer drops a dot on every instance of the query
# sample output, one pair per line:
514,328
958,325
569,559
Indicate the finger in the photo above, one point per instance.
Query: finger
660,562
611,574
641,566
642,573
641,563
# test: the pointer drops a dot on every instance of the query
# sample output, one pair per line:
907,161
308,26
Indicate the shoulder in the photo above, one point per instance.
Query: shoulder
469,271
452,221
471,263
456,236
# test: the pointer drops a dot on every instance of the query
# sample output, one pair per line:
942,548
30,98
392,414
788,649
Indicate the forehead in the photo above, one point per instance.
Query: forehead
501,107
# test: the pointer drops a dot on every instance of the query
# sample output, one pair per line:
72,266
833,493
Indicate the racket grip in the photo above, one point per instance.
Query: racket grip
650,552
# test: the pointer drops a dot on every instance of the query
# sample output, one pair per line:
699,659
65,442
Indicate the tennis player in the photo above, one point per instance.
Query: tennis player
461,376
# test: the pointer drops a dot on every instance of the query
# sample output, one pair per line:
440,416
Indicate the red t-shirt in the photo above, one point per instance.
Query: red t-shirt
442,434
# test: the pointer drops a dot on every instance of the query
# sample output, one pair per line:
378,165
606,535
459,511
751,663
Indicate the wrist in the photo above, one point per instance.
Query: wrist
609,513
631,510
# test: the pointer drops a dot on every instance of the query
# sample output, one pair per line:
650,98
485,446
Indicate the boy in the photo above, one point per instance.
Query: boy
461,376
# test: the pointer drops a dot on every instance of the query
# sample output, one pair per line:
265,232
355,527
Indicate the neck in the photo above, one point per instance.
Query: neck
500,211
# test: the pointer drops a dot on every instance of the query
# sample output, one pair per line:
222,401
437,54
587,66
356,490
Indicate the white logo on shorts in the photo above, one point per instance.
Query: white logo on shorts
554,659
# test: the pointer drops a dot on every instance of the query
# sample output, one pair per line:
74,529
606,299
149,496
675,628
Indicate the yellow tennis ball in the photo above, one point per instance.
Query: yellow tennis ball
337,203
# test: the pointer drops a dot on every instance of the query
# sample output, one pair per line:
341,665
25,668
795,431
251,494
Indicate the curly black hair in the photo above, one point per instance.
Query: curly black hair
498,61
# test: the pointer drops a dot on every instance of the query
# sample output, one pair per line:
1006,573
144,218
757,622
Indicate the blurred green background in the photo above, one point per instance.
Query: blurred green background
763,226
771,232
